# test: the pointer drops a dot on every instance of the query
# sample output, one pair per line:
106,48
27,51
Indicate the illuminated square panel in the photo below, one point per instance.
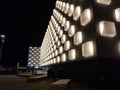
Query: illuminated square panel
63,57
60,49
58,59
67,25
72,54
107,29
67,45
88,49
117,14
105,2
71,10
76,13
78,38
63,39
85,17
71,31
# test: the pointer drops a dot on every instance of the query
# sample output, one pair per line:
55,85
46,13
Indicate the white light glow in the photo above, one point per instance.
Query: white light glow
105,2
63,21
60,33
85,17
107,29
88,49
66,8
67,45
67,25
63,6
63,39
78,38
71,31
63,57
72,54
77,13
56,52
117,14
60,49
71,10
58,59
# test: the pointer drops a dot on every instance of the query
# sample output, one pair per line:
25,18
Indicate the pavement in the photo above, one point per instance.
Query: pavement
14,82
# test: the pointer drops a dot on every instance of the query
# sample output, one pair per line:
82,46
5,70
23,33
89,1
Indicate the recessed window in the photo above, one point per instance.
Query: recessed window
58,59
61,17
77,13
71,10
85,17
66,8
60,49
63,39
105,2
117,14
63,21
88,49
60,33
72,54
78,38
107,29
56,52
63,6
67,25
67,45
63,57
71,31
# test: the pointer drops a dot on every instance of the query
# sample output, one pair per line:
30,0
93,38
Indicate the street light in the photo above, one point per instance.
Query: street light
2,36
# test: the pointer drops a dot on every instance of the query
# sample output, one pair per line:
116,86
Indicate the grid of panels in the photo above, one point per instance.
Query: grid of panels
34,57
71,33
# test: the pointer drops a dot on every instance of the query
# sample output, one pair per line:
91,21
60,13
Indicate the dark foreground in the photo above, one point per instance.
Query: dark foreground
13,82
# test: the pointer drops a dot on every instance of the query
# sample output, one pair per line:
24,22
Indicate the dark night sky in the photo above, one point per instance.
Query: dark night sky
24,23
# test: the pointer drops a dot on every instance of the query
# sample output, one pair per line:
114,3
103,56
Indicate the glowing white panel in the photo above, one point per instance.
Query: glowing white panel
107,29
63,6
58,59
63,39
61,17
56,52
60,49
66,8
60,33
117,14
67,45
76,13
72,54
105,2
85,17
71,31
63,21
78,38
58,43
63,57
54,60
67,25
71,10
88,49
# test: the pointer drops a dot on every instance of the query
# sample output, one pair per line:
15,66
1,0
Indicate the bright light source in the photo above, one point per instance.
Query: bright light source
88,49
117,14
85,17
63,57
60,33
67,45
71,10
66,8
77,13
67,25
56,52
107,29
72,54
71,31
63,21
78,38
63,39
105,2
58,59
63,6
2,36
60,49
